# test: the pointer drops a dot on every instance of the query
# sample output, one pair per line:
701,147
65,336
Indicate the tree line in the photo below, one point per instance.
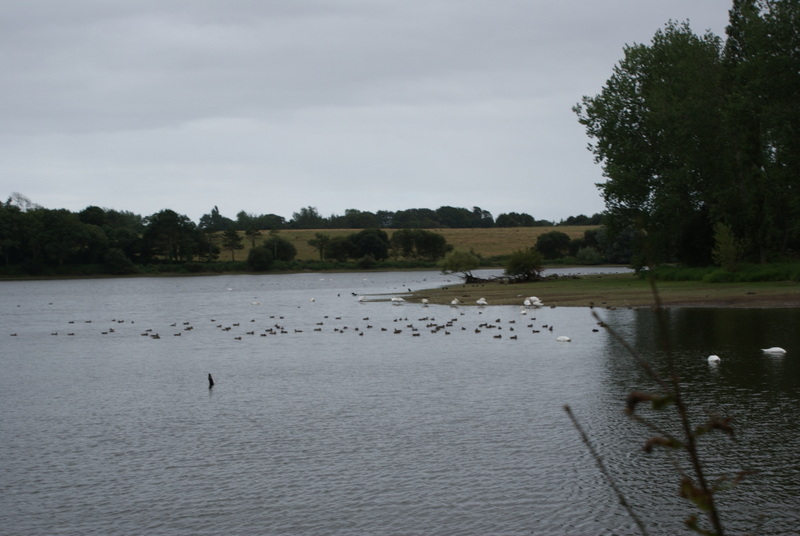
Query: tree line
699,140
445,217
37,240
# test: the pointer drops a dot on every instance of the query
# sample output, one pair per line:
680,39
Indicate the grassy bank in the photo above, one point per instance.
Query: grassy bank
621,290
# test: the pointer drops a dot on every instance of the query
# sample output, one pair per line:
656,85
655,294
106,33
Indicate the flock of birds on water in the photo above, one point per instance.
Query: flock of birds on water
528,303
401,324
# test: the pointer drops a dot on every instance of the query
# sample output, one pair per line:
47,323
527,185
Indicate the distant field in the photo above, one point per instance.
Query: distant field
486,242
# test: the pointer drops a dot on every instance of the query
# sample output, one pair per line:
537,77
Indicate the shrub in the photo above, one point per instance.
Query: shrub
719,276
588,255
366,262
279,248
461,261
194,267
524,265
553,244
727,249
260,259
117,263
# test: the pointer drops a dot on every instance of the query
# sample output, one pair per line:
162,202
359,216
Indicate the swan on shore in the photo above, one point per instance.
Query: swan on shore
482,301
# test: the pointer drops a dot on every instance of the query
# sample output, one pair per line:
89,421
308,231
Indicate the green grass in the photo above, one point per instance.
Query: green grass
621,290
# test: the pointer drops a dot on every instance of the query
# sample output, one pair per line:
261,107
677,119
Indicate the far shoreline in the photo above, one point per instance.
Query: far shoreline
618,291
604,290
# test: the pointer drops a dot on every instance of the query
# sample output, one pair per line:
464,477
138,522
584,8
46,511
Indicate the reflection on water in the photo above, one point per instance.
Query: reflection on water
333,416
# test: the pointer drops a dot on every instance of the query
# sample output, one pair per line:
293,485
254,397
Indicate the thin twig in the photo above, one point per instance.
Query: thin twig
683,413
604,471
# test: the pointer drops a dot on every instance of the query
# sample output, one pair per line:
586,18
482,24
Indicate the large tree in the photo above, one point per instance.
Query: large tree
419,244
308,218
171,235
214,221
656,126
281,249
691,134
232,241
762,59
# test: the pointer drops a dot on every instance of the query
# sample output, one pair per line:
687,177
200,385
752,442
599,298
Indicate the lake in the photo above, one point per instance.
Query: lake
334,416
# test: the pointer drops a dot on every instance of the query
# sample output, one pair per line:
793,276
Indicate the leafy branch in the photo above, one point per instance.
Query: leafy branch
694,485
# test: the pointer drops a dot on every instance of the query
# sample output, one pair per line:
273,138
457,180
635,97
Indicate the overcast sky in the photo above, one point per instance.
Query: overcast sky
269,106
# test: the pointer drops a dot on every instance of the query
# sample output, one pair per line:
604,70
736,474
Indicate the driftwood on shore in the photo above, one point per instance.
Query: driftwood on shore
507,279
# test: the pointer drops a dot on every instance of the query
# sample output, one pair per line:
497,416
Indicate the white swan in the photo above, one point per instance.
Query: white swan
775,350
482,301
361,298
425,301
563,338
455,302
397,301
713,359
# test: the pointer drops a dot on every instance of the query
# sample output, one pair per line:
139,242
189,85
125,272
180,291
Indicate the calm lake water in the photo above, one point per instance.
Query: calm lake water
338,417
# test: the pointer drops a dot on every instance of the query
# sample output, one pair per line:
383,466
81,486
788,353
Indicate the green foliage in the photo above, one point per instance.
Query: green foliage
366,262
719,276
117,263
588,256
372,242
171,235
36,240
339,248
245,221
355,219
553,244
252,233
260,259
307,218
524,265
460,261
727,249
750,273
214,221
231,241
678,273
281,249
320,243
664,415
418,244
690,133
